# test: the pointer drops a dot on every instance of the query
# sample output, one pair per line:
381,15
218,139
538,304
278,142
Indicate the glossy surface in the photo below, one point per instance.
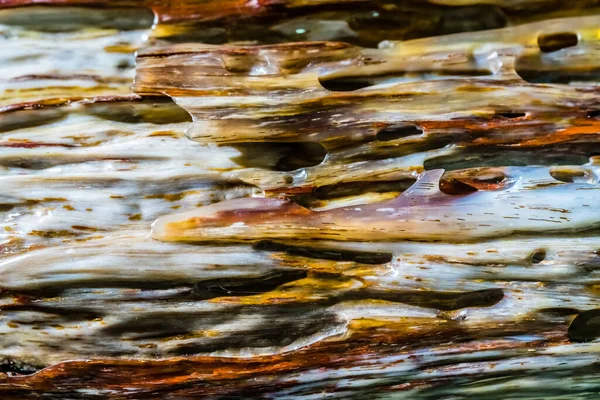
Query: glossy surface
336,218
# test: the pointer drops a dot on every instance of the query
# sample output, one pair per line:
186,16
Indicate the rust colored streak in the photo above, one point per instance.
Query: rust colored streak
32,145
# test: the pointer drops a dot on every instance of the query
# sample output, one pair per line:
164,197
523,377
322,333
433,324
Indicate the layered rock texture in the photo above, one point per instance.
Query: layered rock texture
293,199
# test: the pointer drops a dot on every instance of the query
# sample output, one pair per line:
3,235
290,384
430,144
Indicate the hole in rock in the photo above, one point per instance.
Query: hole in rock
454,187
352,83
568,175
511,115
280,156
557,41
593,114
212,288
357,188
585,327
398,132
538,256
346,84
362,257
445,301
463,182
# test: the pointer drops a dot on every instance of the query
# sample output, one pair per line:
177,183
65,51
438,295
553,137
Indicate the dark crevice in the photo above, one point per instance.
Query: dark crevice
557,41
21,119
398,132
593,114
280,156
559,77
396,20
455,187
474,158
327,254
445,301
161,111
346,84
356,188
352,83
511,115
469,181
585,327
538,256
283,326
221,287
60,313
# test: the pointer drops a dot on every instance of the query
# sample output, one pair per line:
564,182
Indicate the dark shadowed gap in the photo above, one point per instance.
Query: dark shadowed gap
593,114
455,187
585,327
397,132
154,110
287,156
30,118
445,301
361,187
564,77
352,83
327,254
511,115
472,158
557,41
220,287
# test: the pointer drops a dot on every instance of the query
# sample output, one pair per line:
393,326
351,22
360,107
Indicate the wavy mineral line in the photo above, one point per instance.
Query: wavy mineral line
525,200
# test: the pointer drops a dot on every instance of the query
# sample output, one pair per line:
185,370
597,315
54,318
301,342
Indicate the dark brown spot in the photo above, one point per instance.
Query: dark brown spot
557,41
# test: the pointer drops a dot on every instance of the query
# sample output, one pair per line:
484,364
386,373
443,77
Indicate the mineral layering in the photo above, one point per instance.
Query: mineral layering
300,199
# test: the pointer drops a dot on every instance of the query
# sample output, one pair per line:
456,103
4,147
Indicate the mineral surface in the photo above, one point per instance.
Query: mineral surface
294,199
